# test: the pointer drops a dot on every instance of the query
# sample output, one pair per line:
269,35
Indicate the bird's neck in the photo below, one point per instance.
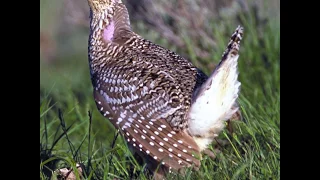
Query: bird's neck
110,24
109,32
108,28
101,29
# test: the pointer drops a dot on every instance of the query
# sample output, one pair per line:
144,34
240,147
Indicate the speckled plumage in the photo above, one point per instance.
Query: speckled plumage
145,90
146,77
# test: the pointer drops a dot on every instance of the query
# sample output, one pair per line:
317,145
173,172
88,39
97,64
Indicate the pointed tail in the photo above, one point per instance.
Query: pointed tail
212,105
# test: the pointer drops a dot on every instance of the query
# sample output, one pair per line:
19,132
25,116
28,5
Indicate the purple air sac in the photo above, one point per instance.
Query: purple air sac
108,32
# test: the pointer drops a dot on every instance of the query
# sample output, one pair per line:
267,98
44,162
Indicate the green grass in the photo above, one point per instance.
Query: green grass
72,130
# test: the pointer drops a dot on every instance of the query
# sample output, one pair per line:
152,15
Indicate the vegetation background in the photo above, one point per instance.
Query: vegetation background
73,131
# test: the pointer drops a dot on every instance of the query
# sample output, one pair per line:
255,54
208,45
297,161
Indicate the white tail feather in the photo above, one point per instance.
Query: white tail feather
212,104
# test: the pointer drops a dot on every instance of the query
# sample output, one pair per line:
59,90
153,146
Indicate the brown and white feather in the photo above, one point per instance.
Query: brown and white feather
145,90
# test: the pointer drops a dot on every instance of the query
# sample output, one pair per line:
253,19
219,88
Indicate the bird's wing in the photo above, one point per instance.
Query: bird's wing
138,98
144,91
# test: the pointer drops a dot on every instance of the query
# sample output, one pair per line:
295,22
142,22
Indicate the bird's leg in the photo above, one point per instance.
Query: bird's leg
211,154
229,127
235,117
156,170
217,148
159,174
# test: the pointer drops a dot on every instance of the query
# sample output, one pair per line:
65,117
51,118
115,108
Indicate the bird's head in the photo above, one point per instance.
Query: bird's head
99,6
102,10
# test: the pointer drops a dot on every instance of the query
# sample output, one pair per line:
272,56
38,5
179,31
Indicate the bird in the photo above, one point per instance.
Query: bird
167,109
